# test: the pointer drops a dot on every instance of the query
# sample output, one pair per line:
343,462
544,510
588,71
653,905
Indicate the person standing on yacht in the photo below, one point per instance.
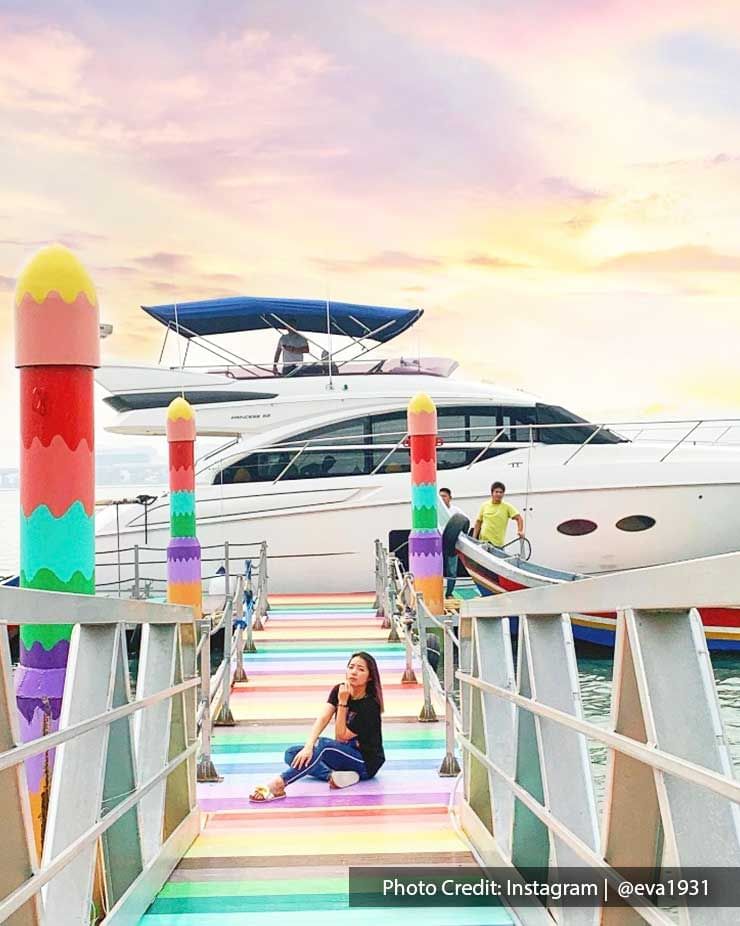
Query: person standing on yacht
292,345
451,560
494,517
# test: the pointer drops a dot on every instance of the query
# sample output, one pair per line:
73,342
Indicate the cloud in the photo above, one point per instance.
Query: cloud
74,240
385,260
229,279
562,188
190,291
712,161
165,261
42,70
492,262
679,259
579,224
118,270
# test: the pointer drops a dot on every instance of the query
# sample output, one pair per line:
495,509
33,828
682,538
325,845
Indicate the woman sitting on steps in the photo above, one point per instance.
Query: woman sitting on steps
356,752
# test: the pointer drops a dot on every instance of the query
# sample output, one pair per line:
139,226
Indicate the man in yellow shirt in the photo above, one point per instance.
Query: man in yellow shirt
494,516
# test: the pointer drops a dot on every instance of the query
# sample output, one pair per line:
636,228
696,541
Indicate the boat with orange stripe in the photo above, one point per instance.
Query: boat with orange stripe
494,572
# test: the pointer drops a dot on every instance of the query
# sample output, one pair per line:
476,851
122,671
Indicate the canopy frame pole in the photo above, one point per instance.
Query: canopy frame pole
164,343
222,353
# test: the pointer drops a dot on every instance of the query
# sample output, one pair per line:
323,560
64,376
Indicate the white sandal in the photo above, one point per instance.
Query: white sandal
265,795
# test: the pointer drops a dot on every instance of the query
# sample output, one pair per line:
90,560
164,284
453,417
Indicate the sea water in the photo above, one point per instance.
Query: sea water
595,666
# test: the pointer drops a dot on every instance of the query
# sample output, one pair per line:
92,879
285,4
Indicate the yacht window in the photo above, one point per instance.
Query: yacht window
577,527
451,425
267,465
397,462
388,428
134,401
554,414
483,424
340,430
635,522
451,457
510,419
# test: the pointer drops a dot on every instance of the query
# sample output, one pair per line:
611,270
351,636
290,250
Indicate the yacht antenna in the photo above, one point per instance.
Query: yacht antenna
179,354
328,332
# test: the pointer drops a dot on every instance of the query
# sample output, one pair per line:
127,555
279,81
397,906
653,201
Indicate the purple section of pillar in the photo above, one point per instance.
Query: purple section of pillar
425,544
184,570
34,684
30,729
183,548
39,658
425,567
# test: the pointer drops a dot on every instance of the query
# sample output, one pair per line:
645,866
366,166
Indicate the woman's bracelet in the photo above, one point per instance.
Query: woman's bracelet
342,705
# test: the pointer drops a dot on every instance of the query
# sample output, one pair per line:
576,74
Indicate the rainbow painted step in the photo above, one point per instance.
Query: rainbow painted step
288,861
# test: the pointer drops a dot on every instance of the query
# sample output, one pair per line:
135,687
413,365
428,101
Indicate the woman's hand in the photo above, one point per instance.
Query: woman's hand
343,694
303,757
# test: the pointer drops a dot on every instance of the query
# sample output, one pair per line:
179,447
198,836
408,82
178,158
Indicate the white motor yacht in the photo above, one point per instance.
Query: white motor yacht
314,461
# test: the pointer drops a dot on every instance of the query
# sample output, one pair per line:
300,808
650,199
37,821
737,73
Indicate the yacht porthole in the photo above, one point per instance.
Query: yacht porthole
577,527
635,522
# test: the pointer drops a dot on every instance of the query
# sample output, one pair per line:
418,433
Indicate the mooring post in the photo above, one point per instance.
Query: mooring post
183,551
425,540
57,346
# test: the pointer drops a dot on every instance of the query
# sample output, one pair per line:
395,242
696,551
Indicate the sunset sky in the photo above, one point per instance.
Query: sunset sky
556,183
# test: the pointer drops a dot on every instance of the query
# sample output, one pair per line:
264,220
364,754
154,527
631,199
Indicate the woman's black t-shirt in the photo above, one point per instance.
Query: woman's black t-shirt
363,719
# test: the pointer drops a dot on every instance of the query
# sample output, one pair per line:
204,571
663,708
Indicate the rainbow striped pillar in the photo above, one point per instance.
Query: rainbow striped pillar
425,540
57,345
183,550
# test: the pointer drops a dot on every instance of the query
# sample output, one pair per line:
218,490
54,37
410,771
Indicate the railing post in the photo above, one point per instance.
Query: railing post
408,677
393,636
227,569
384,591
225,717
450,767
263,570
137,575
378,602
259,598
240,674
206,768
427,714
249,613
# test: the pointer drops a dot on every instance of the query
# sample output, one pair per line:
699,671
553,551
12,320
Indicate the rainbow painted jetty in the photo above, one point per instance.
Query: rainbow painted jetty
263,864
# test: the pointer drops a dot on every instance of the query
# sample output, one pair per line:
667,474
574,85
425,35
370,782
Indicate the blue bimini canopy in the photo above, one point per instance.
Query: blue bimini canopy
250,313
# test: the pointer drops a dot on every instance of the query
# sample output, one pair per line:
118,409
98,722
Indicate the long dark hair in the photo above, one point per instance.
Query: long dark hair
374,686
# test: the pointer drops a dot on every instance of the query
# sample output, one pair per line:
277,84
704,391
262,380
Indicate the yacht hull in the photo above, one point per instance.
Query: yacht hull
320,533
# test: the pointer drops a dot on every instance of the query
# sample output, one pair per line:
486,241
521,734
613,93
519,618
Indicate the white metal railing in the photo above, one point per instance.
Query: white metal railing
135,566
529,799
122,799
245,610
